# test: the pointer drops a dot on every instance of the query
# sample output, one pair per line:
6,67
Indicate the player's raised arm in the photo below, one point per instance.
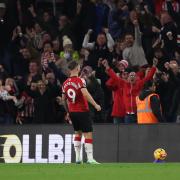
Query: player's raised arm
87,95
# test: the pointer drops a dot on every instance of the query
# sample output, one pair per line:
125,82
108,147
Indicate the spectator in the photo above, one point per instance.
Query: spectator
129,25
117,17
131,88
47,20
47,55
34,72
12,87
87,18
102,12
25,113
35,35
174,75
102,48
43,96
148,105
8,101
49,23
174,3
118,49
177,56
69,28
134,52
68,53
147,22
64,26
160,55
22,60
56,46
34,42
58,109
168,34
173,10
3,73
118,109
158,6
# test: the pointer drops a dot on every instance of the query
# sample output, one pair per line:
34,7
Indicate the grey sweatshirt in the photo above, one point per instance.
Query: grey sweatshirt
135,54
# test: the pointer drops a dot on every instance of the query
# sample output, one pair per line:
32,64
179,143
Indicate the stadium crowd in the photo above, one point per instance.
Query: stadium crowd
120,44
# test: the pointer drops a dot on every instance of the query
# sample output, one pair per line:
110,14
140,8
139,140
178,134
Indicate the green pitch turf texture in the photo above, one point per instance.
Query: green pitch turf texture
119,171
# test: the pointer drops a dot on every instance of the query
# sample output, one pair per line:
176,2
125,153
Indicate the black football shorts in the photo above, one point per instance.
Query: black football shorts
81,121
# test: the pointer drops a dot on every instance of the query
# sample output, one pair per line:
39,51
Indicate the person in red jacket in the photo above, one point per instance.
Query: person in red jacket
118,109
131,89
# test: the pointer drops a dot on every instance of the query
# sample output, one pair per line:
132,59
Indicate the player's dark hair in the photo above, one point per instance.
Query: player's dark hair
72,65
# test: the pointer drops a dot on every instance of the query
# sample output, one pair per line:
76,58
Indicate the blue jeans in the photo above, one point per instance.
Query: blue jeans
130,118
118,120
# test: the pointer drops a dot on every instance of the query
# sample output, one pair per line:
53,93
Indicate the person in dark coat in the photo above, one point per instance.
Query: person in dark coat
43,95
168,34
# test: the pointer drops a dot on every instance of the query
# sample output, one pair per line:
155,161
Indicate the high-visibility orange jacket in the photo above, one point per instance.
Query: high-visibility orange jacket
144,111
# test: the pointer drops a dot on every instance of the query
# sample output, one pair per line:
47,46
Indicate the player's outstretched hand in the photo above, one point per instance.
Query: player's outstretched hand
98,107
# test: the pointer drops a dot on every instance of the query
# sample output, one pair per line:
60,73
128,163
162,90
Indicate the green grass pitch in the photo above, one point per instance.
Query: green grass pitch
111,171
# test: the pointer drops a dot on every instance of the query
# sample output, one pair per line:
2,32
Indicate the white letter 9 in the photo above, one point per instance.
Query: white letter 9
71,94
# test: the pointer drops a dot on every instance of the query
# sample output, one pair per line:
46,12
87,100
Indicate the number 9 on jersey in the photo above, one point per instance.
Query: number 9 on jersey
71,94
